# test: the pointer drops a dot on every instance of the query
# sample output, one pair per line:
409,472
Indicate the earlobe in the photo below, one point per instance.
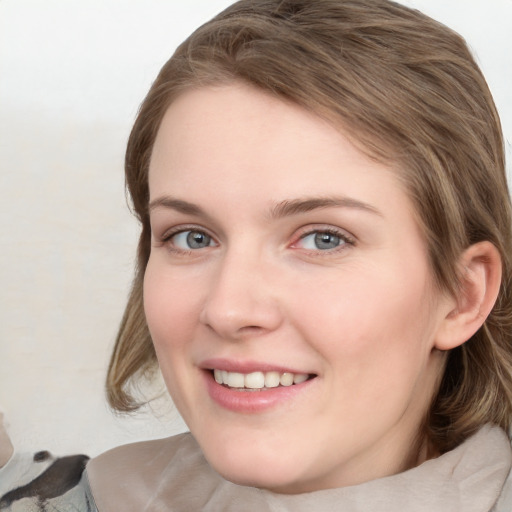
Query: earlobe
479,288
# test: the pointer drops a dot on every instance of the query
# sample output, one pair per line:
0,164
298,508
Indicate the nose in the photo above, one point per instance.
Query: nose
243,298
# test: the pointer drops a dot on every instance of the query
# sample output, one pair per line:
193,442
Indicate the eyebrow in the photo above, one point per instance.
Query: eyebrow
176,204
307,204
282,209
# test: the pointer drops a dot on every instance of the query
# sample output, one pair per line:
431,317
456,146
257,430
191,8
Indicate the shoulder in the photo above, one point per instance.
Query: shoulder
130,475
157,454
504,503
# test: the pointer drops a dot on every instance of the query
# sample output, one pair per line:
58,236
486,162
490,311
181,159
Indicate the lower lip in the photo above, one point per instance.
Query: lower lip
253,401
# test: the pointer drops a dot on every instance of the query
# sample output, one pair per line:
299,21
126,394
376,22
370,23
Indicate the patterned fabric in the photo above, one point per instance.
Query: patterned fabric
44,483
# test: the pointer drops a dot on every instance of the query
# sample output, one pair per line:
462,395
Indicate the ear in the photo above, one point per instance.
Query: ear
480,283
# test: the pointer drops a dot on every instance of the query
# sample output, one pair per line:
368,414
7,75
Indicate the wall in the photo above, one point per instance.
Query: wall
72,74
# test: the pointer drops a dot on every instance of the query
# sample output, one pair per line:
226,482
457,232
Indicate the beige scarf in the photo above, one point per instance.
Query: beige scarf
172,475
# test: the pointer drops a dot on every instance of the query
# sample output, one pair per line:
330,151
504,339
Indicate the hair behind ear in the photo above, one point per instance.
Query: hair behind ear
477,384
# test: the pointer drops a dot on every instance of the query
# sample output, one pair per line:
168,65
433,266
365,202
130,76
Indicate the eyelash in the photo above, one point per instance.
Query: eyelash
345,239
169,235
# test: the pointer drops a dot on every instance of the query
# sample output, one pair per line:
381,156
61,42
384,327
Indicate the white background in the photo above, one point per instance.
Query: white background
72,74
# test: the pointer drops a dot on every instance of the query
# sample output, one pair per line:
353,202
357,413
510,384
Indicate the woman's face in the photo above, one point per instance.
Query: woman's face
288,266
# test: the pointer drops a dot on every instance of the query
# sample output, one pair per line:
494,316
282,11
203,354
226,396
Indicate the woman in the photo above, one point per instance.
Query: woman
323,269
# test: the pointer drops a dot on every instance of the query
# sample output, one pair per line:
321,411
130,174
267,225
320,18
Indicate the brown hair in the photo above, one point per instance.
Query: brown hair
408,90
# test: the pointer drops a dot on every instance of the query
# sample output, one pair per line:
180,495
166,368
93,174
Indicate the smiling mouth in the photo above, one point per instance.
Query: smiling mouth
259,381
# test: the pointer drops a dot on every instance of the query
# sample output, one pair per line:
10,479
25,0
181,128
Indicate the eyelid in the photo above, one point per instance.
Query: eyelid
181,228
301,233
345,236
165,240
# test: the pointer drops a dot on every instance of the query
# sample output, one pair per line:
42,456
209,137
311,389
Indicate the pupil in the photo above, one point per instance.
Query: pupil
326,241
197,240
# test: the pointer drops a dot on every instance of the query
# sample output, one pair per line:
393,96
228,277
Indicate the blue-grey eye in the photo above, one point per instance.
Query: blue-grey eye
190,239
321,240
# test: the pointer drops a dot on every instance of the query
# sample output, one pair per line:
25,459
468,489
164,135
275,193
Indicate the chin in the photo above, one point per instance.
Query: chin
262,479
270,473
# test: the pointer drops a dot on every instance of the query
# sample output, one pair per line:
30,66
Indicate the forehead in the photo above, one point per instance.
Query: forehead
250,145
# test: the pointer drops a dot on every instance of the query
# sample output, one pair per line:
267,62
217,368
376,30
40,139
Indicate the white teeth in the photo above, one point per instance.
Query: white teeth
286,379
258,380
299,378
235,380
255,380
272,379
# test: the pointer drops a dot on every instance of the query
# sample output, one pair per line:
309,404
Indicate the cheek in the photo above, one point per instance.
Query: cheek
171,305
375,340
367,320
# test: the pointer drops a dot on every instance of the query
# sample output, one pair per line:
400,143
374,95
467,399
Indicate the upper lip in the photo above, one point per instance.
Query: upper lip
230,365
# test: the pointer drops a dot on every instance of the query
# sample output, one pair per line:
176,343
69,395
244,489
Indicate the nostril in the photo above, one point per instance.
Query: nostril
249,330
